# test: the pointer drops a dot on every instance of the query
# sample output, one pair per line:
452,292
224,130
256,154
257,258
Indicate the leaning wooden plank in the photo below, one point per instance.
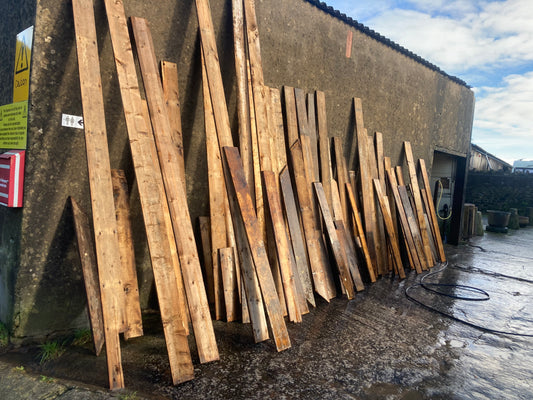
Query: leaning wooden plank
342,175
407,234
431,211
258,85
278,128
103,208
229,279
301,112
177,198
243,103
418,201
308,161
133,318
399,175
217,194
297,240
290,115
311,125
257,247
340,258
378,144
165,263
90,274
360,232
322,278
324,147
387,164
282,246
385,210
169,81
205,235
351,258
413,224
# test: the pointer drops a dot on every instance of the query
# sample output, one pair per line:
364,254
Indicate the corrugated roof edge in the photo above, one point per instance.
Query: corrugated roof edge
373,34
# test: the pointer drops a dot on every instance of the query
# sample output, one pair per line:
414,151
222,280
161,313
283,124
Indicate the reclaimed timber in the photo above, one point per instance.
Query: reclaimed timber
378,144
428,228
336,206
133,326
413,224
176,195
103,208
418,201
257,247
324,145
282,246
290,115
367,193
169,81
407,234
338,253
360,232
351,257
387,165
229,279
399,176
296,235
90,274
243,98
307,157
205,235
322,279
431,210
259,90
278,128
385,210
342,175
183,312
311,125
301,112
359,127
217,194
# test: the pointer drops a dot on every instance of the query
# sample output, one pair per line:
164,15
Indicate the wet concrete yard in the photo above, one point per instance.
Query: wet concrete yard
378,346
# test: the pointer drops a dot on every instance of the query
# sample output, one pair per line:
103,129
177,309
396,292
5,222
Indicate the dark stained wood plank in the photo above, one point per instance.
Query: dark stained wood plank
205,235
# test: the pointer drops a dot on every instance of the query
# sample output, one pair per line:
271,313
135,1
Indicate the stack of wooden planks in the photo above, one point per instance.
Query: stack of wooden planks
290,215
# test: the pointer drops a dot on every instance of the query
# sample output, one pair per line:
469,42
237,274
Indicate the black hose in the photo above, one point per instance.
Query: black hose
484,296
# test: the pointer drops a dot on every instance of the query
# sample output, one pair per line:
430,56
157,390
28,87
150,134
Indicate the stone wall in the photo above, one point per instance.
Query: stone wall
302,46
491,191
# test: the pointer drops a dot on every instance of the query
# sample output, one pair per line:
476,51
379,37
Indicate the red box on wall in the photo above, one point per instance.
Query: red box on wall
12,178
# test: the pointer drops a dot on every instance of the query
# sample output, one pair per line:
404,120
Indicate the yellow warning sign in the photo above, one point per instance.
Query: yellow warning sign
21,82
14,125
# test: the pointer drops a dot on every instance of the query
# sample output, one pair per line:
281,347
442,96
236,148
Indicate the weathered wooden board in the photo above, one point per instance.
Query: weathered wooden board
177,198
103,208
297,239
133,326
385,210
338,253
324,145
159,233
257,247
418,202
287,267
90,274
290,114
413,225
407,234
351,257
399,176
243,97
229,279
360,233
169,81
342,176
205,235
431,211
217,194
322,278
278,129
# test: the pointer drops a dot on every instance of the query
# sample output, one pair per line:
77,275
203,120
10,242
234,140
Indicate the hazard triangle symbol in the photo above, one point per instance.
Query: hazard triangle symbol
22,58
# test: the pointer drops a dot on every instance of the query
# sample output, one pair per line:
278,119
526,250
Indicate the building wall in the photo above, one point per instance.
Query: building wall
302,46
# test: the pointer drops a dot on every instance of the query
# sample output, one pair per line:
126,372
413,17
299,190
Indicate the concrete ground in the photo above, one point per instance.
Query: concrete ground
378,346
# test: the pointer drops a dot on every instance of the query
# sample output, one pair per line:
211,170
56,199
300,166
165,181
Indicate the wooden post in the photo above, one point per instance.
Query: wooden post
103,208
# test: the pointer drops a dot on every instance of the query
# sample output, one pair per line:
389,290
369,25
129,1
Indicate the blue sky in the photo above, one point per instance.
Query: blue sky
488,44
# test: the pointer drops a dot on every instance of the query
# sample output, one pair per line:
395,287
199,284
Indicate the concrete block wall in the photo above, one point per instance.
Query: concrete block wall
302,46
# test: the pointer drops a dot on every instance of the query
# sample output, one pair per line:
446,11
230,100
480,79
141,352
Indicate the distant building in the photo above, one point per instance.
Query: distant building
482,160
523,166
